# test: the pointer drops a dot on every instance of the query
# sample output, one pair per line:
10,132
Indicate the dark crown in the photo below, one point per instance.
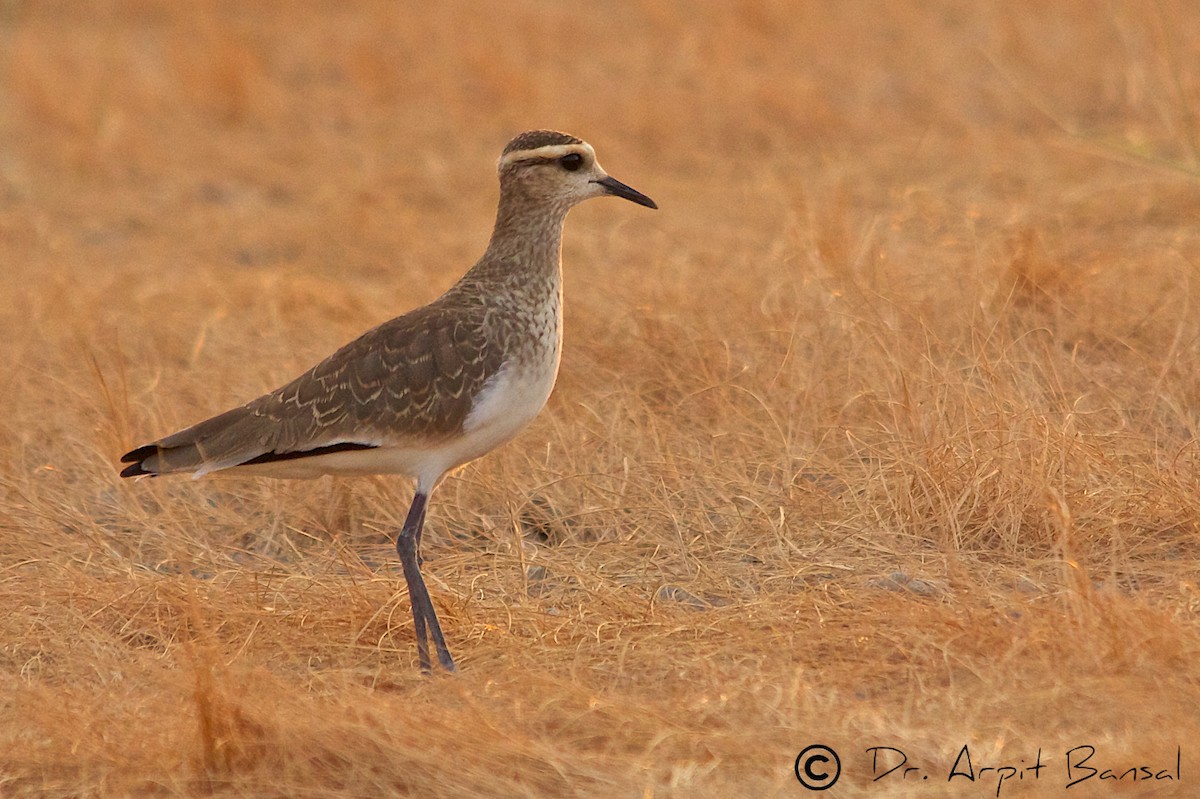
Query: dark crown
532,139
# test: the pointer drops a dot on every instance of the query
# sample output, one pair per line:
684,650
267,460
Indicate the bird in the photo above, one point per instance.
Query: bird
430,390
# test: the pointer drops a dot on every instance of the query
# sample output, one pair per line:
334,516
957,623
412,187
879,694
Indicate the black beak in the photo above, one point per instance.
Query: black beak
619,189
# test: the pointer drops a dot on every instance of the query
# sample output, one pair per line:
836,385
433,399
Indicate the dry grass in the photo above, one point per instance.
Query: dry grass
882,432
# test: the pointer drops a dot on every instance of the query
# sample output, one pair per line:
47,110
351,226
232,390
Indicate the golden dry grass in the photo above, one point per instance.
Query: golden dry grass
883,431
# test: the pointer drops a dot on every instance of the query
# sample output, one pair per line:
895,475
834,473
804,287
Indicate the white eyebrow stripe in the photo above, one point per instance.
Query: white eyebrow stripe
549,152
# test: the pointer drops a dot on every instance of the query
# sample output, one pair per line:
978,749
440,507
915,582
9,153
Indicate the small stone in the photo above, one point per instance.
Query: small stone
674,593
899,581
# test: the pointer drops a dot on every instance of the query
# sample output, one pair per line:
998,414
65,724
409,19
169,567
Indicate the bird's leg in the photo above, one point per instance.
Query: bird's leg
425,620
417,545
418,595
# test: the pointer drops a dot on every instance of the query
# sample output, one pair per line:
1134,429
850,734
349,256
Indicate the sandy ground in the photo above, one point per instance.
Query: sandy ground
880,435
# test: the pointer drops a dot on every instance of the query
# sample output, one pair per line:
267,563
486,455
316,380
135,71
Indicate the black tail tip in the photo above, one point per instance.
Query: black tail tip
136,470
135,458
139,454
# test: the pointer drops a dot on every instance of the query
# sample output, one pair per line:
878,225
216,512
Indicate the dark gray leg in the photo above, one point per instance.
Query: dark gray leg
425,620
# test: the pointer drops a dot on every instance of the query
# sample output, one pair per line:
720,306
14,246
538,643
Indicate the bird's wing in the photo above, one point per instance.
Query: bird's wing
409,380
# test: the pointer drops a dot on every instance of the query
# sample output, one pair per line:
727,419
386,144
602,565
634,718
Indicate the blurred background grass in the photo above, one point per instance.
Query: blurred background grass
881,432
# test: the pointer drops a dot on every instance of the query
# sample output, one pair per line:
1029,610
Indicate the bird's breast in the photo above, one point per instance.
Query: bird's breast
511,398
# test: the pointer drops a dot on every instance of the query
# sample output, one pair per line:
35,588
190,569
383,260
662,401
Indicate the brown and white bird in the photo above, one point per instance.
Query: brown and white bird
432,389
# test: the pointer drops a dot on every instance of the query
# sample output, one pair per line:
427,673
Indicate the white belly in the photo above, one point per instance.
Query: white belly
508,402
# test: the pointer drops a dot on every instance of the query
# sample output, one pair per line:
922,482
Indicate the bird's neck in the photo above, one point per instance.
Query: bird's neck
526,242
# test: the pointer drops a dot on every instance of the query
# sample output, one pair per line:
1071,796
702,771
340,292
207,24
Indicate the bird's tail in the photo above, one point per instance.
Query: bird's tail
214,444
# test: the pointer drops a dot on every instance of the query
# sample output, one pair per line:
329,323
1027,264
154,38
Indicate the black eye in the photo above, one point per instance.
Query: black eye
571,161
